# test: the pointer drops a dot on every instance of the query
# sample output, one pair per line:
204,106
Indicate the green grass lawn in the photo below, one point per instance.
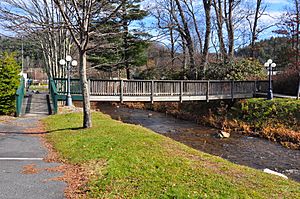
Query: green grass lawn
41,88
129,161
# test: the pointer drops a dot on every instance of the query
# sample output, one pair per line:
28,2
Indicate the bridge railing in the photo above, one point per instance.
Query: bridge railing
206,89
170,87
20,96
61,86
53,94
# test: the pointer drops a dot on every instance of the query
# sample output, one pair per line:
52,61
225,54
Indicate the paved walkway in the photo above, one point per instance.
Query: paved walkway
20,149
35,104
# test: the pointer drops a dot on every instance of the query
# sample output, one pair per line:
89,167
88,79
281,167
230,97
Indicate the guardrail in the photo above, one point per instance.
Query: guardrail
20,96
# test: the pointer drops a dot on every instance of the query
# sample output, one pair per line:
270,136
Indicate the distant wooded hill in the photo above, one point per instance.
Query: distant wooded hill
278,49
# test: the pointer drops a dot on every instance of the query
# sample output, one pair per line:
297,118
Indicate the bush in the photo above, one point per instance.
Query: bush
240,69
260,112
9,81
287,82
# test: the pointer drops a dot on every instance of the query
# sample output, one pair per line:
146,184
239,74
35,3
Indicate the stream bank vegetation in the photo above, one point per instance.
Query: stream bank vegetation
276,120
128,161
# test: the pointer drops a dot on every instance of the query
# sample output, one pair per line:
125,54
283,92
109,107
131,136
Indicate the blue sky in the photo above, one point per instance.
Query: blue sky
274,9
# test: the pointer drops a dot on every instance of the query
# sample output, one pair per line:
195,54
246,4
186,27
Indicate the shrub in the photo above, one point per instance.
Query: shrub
9,81
240,69
261,112
287,81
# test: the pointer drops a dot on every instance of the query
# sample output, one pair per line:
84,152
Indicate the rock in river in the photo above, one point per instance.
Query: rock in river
223,134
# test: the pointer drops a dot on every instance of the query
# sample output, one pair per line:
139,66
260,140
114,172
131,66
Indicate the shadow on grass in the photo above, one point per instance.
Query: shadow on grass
38,133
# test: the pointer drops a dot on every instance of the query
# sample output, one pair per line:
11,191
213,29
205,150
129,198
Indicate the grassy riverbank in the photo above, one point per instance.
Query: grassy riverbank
129,161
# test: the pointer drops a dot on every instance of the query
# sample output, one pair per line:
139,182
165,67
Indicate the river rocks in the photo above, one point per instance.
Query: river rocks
275,173
223,134
149,114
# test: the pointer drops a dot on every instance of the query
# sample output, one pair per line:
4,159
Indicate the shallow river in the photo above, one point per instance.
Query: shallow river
250,151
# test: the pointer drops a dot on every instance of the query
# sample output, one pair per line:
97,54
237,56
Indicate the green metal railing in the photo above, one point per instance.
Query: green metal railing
54,95
61,86
19,97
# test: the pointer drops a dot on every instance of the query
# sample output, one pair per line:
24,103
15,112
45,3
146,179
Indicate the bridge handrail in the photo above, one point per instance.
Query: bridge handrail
61,85
20,96
54,95
164,88
170,87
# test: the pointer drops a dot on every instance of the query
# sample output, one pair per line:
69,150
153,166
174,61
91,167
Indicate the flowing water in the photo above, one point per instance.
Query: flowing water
250,151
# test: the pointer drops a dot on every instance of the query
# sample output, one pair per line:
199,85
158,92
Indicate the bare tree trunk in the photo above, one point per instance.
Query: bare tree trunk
81,39
184,59
219,15
192,13
253,31
207,9
125,40
297,31
189,42
230,28
172,40
87,119
171,31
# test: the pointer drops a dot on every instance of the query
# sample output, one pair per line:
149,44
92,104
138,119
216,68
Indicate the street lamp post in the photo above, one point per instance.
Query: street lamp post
270,65
69,62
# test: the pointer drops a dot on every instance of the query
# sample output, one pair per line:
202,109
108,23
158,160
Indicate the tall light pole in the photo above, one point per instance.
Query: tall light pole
270,65
68,62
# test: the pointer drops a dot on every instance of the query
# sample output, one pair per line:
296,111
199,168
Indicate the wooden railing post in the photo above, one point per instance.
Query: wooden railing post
89,86
121,90
207,91
152,92
181,91
255,86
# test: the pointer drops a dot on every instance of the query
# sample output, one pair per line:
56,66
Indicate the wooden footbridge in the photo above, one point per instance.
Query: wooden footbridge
158,90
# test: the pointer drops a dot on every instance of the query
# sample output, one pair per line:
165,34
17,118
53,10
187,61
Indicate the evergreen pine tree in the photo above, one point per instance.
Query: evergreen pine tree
9,81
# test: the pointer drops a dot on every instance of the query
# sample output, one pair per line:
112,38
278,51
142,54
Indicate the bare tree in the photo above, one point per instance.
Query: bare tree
186,33
226,12
78,17
207,8
37,19
165,14
253,16
217,4
78,24
182,17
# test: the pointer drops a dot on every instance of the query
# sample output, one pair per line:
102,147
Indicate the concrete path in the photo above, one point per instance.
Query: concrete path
35,104
20,149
